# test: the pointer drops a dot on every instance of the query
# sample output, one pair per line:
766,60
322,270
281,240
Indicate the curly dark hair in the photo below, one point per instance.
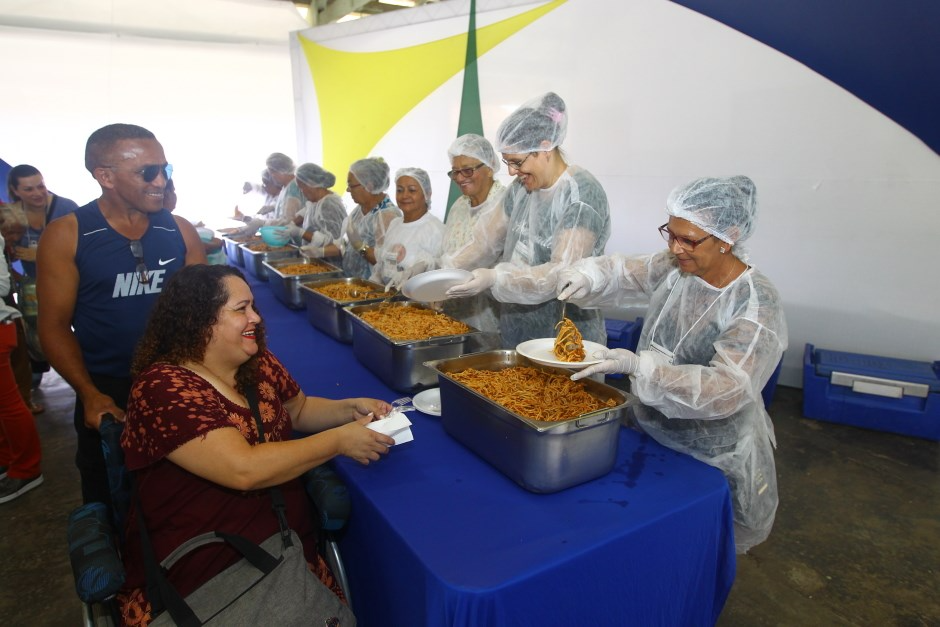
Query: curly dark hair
180,324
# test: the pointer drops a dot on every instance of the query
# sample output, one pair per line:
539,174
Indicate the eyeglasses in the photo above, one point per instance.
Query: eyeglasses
685,243
349,187
137,249
515,165
149,172
464,172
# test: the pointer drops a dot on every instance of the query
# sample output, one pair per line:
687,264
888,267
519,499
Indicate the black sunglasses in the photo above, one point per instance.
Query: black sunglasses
137,249
149,172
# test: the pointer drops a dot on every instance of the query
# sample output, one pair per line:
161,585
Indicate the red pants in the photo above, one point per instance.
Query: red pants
19,440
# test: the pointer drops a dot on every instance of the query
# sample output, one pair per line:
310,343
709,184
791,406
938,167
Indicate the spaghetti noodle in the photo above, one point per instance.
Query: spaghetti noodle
261,247
313,267
569,345
532,393
346,292
412,323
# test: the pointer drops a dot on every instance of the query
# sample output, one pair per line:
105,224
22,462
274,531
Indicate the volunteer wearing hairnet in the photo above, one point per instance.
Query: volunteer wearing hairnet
473,163
289,201
552,215
412,243
365,227
713,336
323,213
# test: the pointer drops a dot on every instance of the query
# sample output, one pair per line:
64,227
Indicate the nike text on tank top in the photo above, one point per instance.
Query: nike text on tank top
112,306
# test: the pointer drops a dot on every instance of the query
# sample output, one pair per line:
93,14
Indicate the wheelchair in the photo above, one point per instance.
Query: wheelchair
95,531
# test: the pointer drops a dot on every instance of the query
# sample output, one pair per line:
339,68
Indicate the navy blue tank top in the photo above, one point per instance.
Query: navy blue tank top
112,306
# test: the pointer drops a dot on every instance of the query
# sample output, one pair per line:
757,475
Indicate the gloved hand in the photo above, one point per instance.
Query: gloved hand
615,360
251,228
401,275
483,279
311,250
573,284
296,233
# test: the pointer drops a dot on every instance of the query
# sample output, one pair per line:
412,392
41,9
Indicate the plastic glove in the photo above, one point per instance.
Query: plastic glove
401,275
573,284
251,228
296,233
311,250
615,360
483,279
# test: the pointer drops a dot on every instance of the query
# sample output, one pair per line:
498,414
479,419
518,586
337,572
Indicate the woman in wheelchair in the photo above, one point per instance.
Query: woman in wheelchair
191,441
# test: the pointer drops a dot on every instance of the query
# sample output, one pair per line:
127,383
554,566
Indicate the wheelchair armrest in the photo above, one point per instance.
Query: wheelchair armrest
329,495
96,564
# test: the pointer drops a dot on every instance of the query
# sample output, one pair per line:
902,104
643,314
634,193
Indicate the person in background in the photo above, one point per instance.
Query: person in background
20,450
215,253
713,336
323,215
473,163
289,201
412,243
366,226
192,443
26,185
269,190
100,270
550,216
12,227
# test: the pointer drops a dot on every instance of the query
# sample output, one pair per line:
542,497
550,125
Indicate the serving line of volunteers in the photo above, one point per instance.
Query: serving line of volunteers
714,333
715,329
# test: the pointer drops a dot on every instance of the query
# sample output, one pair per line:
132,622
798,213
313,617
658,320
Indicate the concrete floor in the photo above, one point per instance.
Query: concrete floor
856,542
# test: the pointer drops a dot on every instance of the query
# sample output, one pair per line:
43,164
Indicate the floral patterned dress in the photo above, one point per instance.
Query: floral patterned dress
169,406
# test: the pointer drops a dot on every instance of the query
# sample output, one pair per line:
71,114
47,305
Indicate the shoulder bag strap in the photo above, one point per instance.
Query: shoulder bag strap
277,497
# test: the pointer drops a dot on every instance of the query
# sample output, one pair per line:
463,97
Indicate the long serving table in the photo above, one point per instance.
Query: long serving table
438,537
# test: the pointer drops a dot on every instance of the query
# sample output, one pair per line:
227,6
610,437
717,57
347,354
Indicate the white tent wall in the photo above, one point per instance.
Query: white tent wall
218,103
658,95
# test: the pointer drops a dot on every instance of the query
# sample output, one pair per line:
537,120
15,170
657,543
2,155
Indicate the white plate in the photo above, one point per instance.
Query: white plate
430,287
428,402
541,351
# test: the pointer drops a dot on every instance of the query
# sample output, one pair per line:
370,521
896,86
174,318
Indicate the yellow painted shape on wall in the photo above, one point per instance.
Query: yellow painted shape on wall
362,95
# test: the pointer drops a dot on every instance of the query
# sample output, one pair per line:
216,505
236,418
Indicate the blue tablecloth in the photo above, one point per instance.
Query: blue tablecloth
438,537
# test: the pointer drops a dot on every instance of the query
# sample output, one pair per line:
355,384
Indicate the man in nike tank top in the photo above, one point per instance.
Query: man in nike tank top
101,269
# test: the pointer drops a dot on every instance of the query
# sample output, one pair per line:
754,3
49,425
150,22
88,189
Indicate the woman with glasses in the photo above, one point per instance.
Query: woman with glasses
412,244
552,215
713,336
473,163
366,226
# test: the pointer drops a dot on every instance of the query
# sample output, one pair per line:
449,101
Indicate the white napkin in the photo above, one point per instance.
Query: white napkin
395,425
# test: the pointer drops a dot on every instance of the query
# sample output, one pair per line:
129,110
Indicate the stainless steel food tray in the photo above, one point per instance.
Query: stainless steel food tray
255,259
539,456
332,316
400,363
286,287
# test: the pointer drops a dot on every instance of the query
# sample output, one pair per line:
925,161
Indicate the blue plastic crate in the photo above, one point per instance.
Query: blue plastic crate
882,393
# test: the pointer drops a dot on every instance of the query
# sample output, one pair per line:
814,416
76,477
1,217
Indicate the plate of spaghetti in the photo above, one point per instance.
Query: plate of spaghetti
542,351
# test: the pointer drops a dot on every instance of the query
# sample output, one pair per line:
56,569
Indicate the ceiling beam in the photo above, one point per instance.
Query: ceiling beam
337,9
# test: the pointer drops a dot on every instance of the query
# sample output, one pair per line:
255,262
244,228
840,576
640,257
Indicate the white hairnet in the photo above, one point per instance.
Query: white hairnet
539,125
267,179
476,147
372,172
279,162
419,175
313,175
724,207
